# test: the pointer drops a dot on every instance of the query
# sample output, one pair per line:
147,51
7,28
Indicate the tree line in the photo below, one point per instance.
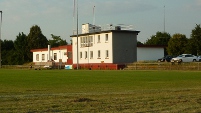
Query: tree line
17,52
177,43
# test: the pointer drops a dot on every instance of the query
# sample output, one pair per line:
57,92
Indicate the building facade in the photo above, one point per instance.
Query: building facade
61,54
149,52
96,48
102,49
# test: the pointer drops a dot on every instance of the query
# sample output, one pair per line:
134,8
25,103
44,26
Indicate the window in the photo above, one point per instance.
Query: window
106,37
80,55
106,54
99,53
55,56
98,38
69,55
85,54
91,41
91,54
37,57
65,53
81,41
86,41
43,57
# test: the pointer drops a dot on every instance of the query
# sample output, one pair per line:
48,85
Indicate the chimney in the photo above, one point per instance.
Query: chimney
49,47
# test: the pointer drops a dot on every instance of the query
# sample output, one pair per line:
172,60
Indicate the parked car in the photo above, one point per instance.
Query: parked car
185,58
165,58
199,58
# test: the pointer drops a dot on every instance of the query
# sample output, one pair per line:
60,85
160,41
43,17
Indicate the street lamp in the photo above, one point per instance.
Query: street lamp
77,39
0,38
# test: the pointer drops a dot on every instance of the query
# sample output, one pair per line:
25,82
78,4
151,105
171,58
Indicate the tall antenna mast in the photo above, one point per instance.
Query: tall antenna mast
73,16
0,38
164,18
77,39
94,15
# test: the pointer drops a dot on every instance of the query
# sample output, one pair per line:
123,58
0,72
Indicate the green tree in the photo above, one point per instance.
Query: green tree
177,44
8,52
7,45
57,41
194,44
21,45
139,43
191,47
161,38
36,39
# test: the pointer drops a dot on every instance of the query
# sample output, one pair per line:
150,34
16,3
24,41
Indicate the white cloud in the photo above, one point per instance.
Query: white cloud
198,2
193,5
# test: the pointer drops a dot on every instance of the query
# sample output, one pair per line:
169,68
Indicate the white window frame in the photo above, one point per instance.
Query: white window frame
91,54
80,55
43,57
99,39
91,41
55,56
37,57
107,54
99,54
86,55
106,37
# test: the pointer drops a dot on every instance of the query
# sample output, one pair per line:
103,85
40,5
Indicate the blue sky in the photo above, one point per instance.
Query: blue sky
56,16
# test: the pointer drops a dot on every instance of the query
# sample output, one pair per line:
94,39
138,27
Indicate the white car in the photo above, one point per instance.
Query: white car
185,58
199,58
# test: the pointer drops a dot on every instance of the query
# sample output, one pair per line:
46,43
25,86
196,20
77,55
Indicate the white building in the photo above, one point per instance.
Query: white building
100,49
104,49
149,52
61,54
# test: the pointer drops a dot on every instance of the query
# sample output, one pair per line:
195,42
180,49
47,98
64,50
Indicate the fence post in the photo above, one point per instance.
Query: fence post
135,66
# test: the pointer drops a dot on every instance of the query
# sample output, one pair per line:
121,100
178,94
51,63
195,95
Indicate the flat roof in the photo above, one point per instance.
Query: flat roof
107,31
152,46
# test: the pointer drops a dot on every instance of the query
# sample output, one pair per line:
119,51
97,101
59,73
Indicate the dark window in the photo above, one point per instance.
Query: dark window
69,55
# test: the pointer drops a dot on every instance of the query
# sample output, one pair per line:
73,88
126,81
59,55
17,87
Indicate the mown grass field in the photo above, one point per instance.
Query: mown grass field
79,91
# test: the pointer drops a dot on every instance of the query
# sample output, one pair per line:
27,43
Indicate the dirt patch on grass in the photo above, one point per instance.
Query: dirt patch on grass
83,100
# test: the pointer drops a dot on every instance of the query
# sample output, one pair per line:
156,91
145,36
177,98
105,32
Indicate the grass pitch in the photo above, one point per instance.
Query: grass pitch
99,91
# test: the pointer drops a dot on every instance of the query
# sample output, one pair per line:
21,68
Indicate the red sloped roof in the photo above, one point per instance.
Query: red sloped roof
54,48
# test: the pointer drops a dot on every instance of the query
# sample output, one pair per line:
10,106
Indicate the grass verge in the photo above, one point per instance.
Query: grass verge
99,91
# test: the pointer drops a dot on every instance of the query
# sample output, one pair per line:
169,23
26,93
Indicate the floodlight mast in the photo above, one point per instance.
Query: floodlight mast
164,18
94,15
0,37
77,38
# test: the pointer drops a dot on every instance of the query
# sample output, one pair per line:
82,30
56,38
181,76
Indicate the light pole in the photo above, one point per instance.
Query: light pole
77,38
0,38
164,18
94,15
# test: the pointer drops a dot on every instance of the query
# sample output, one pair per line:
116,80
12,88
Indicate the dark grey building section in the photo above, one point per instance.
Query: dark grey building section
124,45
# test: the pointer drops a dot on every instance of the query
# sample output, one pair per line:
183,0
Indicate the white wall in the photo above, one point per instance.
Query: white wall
40,56
147,54
60,55
89,28
102,46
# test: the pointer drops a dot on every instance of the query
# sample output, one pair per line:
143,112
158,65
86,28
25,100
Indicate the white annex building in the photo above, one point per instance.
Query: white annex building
149,52
104,48
61,55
